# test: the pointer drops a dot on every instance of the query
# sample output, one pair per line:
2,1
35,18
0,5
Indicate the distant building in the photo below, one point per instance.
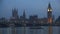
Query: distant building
15,13
15,17
24,15
33,19
57,22
42,21
3,20
49,14
23,19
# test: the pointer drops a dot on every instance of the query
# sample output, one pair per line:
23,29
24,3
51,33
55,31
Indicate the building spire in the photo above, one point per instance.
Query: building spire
49,5
24,14
14,13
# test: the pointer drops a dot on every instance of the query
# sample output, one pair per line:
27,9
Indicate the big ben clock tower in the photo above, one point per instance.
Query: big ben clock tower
49,14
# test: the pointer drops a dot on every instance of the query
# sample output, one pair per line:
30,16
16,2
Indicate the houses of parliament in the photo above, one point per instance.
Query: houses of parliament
33,20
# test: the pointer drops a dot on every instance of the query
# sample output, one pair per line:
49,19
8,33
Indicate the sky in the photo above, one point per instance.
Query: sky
31,7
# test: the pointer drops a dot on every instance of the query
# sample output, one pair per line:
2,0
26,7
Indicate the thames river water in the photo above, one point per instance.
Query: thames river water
27,30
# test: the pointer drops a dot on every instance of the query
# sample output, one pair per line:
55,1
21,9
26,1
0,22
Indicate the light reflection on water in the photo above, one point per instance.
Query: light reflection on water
27,30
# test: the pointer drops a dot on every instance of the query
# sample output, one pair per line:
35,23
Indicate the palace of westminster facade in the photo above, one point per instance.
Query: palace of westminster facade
32,19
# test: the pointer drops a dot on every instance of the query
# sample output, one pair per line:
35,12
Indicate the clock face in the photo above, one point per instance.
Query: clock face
49,9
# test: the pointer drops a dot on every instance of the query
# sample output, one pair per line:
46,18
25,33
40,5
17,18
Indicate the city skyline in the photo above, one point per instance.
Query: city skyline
29,16
36,7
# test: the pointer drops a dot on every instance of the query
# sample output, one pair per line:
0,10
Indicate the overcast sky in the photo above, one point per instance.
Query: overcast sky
32,7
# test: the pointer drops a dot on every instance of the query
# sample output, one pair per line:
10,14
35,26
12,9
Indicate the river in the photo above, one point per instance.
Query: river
27,30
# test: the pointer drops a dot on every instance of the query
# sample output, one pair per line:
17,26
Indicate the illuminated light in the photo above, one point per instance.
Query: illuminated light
49,9
49,20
